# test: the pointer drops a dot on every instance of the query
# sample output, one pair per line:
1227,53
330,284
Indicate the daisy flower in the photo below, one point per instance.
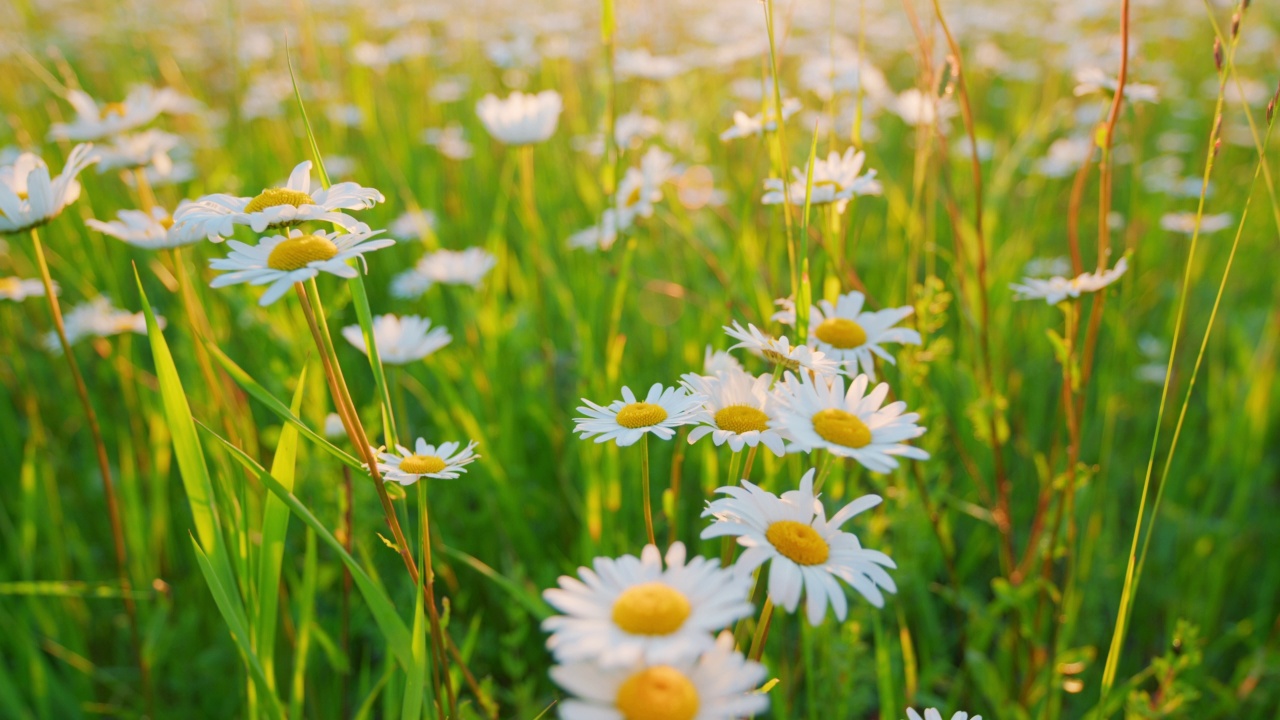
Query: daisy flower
628,611
601,236
400,340
28,198
413,225
217,215
147,148
627,420
736,410
917,108
150,231
835,180
745,125
18,289
98,318
1093,79
1185,222
282,261
932,714
806,552
781,352
520,119
448,267
449,140
142,105
821,416
1056,289
719,685
445,462
844,332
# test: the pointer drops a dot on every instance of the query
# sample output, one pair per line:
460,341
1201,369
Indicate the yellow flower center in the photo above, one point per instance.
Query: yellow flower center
651,609
271,197
296,252
166,222
115,108
826,183
841,333
9,285
658,693
841,428
641,414
634,197
742,418
422,464
798,542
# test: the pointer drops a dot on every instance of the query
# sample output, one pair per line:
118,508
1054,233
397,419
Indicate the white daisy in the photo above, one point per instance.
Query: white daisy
780,351
445,462
745,125
853,425
932,714
217,215
449,140
1185,222
28,198
628,611
154,231
98,318
144,149
627,420
412,225
737,409
1056,289
18,289
282,261
448,267
600,236
835,180
715,362
720,685
847,334
805,551
520,119
1094,79
400,340
917,108
142,105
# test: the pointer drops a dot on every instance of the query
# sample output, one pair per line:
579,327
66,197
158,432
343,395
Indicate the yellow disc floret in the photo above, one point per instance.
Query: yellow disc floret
297,252
841,428
641,414
798,542
421,465
651,609
658,693
841,333
741,418
272,197
115,108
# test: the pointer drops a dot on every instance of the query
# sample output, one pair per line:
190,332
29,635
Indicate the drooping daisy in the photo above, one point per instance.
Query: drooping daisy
835,180
627,420
806,552
719,685
853,424
142,105
736,410
745,125
98,318
628,611
845,333
445,462
400,340
139,150
154,231
780,351
933,714
17,289
282,261
1056,289
28,198
447,267
520,119
217,215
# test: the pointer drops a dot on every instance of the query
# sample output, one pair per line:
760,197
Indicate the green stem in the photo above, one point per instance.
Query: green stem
644,488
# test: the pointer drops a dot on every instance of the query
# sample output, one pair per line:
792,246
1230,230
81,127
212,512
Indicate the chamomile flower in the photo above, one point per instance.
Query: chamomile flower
836,180
29,198
413,224
1056,289
806,552
1185,223
150,231
736,410
932,714
628,611
720,685
17,289
818,415
625,421
281,261
98,318
445,462
520,119
780,351
715,362
139,150
745,125
142,105
848,334
447,267
400,340
217,215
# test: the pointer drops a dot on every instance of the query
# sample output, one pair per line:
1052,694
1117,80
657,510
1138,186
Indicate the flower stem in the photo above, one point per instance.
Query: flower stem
762,630
644,488
439,667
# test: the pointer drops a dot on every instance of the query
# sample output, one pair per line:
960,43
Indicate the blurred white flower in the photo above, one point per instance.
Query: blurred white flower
1185,222
520,119
29,198
98,318
836,179
18,289
448,267
151,231
142,105
400,340
745,125
1056,289
149,148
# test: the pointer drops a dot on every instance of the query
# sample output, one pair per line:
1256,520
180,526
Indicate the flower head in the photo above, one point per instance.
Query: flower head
151,231
844,331
444,462
446,267
932,714
520,119
780,351
400,340
627,420
142,105
18,289
835,180
98,318
737,409
281,261
28,198
1056,289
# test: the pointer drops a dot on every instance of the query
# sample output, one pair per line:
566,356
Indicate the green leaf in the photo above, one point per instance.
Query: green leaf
361,300
414,689
306,611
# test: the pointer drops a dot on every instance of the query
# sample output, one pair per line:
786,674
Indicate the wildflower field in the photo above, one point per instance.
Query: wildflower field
617,360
